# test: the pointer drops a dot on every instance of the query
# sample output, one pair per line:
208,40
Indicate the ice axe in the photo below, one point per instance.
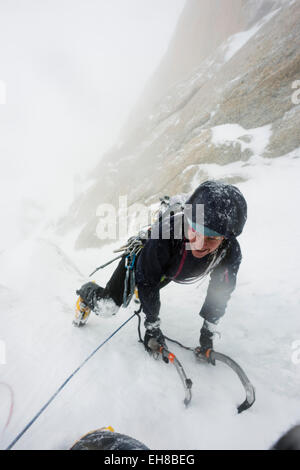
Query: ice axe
212,356
167,356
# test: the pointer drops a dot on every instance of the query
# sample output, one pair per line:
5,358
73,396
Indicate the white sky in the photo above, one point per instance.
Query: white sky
73,70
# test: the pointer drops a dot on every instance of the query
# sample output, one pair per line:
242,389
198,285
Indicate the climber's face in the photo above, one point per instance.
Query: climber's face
201,245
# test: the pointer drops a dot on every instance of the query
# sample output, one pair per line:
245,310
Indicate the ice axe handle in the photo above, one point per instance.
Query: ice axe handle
167,356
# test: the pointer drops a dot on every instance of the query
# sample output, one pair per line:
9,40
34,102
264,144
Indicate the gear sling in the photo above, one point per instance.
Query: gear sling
121,287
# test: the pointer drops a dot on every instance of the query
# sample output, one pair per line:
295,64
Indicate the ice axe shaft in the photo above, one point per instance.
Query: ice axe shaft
212,356
106,264
168,356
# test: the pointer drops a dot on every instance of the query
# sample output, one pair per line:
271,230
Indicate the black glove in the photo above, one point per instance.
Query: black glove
156,334
90,293
206,339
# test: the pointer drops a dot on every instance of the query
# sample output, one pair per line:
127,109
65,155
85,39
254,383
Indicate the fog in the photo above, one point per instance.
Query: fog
73,70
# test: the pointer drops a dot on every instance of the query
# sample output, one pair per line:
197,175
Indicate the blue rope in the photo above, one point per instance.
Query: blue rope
63,385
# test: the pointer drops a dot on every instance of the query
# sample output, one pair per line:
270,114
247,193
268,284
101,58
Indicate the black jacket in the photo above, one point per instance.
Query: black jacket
160,262
225,212
170,260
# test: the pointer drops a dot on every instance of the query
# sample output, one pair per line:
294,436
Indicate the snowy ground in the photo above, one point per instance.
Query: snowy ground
121,385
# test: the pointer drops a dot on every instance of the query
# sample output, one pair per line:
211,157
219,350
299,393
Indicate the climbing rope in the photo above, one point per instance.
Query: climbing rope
18,437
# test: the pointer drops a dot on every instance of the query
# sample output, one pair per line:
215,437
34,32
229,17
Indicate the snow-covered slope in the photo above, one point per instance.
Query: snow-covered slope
121,385
227,118
244,81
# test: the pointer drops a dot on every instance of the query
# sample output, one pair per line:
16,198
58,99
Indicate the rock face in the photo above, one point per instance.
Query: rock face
222,94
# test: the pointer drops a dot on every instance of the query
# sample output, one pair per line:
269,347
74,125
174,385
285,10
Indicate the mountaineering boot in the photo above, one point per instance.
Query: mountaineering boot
90,294
82,313
86,302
